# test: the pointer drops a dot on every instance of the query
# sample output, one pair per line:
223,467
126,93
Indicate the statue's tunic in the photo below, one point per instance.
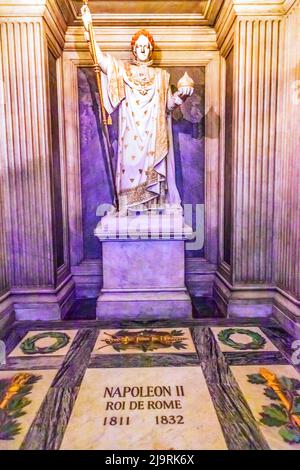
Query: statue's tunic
145,175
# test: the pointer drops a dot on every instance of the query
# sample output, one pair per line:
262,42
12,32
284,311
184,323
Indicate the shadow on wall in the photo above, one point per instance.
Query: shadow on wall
213,131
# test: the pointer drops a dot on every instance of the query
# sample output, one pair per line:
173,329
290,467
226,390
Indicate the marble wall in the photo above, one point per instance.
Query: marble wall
256,89
26,155
189,143
288,166
263,276
4,280
56,163
4,248
227,222
95,184
29,161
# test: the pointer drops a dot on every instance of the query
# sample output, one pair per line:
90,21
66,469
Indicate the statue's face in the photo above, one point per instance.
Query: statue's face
142,49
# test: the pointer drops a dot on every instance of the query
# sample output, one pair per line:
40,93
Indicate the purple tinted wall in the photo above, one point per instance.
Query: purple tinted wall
56,178
228,158
188,135
188,138
95,185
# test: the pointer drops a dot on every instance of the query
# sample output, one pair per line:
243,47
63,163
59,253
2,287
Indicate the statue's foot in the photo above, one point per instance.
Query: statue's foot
112,211
123,212
173,209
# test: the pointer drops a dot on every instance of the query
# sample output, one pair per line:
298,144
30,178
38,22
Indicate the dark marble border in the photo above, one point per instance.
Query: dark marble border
131,324
47,429
76,361
282,340
234,358
14,337
33,363
110,361
240,429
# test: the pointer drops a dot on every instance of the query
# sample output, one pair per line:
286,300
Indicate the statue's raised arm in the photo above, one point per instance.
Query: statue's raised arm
88,22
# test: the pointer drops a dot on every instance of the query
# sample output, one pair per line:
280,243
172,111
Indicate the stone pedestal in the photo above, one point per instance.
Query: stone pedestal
143,267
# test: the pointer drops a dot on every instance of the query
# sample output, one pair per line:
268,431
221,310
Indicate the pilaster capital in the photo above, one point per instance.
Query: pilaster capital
263,10
261,7
37,8
56,14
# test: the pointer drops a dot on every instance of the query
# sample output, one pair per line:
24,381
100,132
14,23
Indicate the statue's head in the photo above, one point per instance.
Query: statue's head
142,45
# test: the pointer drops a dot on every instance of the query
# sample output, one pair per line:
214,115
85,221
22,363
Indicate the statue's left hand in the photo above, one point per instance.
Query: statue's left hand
178,98
185,92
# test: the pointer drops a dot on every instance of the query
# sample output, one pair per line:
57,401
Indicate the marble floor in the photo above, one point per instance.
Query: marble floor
210,383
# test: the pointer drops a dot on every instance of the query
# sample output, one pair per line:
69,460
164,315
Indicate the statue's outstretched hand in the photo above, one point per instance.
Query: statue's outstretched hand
86,17
185,92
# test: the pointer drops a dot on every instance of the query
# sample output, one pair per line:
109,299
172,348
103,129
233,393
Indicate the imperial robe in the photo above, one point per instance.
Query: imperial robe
145,176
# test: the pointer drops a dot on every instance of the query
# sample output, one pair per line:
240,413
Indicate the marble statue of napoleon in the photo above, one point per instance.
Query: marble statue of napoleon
145,176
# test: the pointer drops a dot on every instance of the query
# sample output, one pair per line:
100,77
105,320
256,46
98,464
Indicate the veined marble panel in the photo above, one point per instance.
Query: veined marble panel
140,419
243,338
45,343
272,411
13,428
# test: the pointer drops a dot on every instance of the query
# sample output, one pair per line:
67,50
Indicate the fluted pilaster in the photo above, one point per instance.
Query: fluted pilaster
4,273
4,281
257,62
26,155
288,172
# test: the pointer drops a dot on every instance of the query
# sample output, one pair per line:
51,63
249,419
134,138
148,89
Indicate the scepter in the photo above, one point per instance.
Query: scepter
104,118
274,384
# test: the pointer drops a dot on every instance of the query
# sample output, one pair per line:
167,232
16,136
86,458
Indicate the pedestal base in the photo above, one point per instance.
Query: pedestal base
143,305
143,277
